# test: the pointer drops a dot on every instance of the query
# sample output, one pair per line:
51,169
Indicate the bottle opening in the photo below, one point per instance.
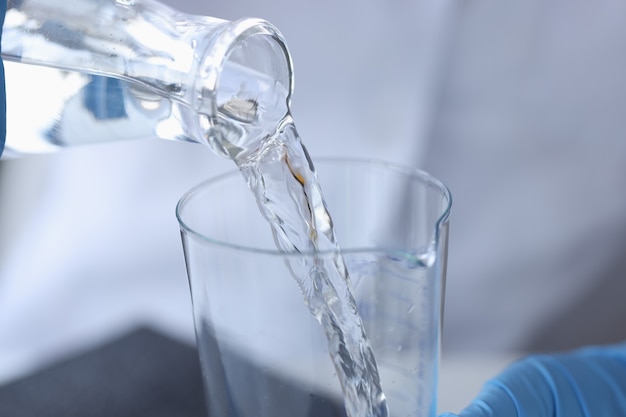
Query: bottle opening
245,87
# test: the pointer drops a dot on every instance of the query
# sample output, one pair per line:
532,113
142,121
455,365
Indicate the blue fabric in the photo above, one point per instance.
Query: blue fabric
589,382
3,95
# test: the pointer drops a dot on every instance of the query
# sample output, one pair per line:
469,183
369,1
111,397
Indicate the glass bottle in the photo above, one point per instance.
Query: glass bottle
84,71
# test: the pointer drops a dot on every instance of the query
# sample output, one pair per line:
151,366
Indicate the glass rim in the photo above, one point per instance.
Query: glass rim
223,45
414,173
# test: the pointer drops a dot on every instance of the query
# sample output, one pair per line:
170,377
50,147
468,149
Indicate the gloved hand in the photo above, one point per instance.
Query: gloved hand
589,382
3,96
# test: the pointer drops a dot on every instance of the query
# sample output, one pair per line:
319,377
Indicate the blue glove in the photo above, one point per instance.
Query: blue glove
589,382
3,95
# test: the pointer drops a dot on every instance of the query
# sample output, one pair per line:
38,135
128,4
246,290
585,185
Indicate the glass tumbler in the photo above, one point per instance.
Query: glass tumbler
262,353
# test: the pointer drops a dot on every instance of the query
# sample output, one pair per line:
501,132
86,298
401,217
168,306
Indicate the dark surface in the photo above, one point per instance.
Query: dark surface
142,373
145,373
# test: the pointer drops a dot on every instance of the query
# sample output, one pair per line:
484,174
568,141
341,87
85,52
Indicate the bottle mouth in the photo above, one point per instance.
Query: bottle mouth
246,79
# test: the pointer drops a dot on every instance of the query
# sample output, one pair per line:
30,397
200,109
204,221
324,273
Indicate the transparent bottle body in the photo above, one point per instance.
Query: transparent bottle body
83,71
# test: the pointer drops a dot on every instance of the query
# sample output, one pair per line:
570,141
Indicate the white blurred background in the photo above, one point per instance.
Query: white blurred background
518,107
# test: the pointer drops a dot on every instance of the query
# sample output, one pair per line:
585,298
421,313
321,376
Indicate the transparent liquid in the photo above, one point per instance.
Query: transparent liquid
280,173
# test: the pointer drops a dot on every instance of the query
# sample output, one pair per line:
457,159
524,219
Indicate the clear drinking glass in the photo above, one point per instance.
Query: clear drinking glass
262,353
